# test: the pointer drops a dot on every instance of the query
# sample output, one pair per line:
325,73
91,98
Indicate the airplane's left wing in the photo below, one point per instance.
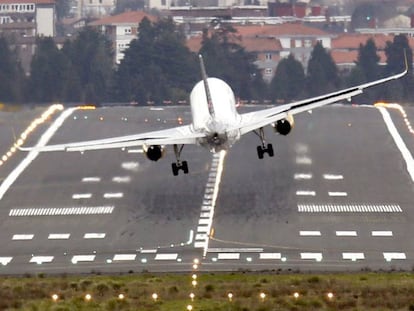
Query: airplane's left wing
178,135
257,119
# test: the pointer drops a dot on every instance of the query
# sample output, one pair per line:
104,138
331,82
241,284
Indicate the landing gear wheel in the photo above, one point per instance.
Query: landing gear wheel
260,152
184,167
175,169
270,151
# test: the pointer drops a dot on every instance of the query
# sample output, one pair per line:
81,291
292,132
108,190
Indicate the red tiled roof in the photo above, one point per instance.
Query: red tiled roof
352,41
280,30
27,1
129,17
253,44
349,57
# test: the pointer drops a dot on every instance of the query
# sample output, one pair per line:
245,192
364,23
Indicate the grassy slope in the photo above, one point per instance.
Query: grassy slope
362,291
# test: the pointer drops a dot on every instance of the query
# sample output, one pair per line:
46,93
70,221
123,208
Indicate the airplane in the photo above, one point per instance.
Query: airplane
216,124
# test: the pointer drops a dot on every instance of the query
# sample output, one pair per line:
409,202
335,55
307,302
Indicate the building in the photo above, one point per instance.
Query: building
271,43
21,21
121,29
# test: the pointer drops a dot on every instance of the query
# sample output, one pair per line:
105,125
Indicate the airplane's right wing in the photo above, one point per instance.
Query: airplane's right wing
257,119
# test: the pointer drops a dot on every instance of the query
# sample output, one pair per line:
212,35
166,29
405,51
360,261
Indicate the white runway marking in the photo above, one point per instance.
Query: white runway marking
333,177
337,194
41,259
349,208
135,151
353,256
94,235
305,193
388,256
209,201
130,166
235,250
44,139
148,251
227,256
22,237
59,211
5,260
121,179
303,160
166,257
314,256
58,236
398,141
309,233
91,179
270,256
79,196
82,258
381,233
300,176
346,233
124,257
114,195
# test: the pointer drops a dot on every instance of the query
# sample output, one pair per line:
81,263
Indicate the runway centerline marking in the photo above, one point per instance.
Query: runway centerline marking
209,202
407,156
91,179
79,196
58,236
32,155
22,237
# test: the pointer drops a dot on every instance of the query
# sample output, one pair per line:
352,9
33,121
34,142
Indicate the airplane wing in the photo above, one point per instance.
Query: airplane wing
178,135
257,119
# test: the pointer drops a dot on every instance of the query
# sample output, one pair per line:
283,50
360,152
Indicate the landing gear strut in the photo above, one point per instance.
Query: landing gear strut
178,165
261,150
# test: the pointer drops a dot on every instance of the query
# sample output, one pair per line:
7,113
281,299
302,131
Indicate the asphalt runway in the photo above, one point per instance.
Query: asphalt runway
337,196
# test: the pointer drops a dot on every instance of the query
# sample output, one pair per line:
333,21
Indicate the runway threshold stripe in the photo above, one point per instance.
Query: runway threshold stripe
349,208
82,258
271,256
381,233
124,257
62,211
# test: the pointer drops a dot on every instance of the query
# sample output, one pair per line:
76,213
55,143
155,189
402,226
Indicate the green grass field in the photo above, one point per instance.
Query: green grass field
353,291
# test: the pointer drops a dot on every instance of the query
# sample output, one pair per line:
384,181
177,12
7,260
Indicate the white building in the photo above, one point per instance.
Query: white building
121,29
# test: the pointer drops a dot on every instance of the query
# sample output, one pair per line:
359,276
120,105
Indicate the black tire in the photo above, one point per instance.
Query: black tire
270,150
260,152
185,167
174,169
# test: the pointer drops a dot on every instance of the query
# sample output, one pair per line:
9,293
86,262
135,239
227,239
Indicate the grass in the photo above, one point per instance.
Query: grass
353,291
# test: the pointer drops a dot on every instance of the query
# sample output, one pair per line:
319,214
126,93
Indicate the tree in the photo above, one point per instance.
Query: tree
366,69
322,75
225,58
289,80
91,56
157,65
11,74
397,52
48,71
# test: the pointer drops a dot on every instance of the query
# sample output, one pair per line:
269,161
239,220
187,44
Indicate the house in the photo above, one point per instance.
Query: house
22,20
121,29
271,43
345,47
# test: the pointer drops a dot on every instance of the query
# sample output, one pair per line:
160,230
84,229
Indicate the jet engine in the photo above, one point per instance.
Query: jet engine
154,152
284,126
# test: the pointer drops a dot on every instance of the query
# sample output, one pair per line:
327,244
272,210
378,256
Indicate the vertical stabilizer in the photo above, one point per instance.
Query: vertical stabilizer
206,87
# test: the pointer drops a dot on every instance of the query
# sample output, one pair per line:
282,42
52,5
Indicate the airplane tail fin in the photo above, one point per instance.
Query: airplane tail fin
206,87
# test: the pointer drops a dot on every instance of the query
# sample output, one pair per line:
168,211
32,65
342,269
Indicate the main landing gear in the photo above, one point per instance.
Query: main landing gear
178,165
261,150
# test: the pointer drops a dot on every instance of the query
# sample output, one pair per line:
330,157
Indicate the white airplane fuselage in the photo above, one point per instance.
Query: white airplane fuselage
219,121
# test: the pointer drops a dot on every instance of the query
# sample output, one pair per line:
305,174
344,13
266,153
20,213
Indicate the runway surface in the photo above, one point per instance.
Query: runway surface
337,196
